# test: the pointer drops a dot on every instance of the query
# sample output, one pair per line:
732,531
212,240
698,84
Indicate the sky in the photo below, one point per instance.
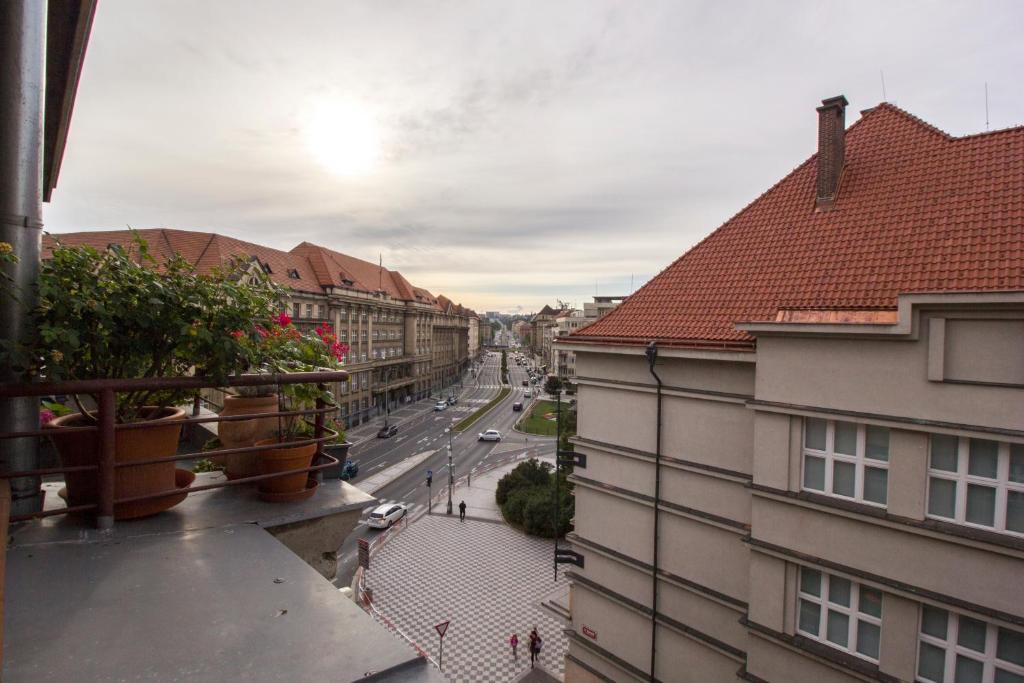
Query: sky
505,154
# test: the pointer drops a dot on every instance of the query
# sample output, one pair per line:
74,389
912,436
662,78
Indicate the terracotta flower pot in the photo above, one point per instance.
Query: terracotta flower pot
242,433
283,459
158,439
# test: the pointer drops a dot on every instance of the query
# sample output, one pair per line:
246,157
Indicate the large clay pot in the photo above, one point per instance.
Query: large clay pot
242,433
282,459
156,440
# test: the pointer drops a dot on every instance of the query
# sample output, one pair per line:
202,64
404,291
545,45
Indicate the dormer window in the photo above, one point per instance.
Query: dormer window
267,269
347,282
293,274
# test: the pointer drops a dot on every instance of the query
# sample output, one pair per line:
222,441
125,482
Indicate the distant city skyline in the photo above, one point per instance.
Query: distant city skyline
506,155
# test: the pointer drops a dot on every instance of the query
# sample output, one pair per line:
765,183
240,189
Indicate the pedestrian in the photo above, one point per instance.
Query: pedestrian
462,511
514,642
535,644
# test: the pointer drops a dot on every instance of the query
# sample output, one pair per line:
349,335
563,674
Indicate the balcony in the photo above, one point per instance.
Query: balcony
223,585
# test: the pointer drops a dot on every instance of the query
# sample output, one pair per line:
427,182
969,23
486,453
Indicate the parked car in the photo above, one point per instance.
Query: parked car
387,431
384,516
349,470
490,435
452,400
517,406
441,405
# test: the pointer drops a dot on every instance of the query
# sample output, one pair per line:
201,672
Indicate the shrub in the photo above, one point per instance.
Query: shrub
526,497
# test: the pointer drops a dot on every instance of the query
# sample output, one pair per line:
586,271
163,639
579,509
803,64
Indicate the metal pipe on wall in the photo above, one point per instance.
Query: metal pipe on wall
652,357
22,64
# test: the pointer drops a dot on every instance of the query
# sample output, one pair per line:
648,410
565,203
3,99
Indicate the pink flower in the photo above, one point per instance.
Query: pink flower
45,416
262,331
238,334
284,320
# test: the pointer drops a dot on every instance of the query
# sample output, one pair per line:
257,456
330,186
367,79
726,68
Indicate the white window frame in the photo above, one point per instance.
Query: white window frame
962,479
853,613
858,460
953,648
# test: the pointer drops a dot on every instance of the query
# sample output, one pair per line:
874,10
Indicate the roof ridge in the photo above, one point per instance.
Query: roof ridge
906,114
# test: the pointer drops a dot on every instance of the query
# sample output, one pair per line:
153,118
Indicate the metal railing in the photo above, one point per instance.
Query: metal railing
106,426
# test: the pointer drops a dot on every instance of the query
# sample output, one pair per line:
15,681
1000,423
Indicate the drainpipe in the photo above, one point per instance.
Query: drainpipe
22,59
652,357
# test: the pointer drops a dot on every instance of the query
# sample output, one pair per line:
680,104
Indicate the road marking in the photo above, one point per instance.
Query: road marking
376,467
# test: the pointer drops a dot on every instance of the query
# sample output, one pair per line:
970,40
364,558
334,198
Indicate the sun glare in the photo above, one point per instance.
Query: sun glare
344,139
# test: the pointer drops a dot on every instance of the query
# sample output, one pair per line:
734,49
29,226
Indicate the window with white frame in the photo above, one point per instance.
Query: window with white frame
840,613
956,648
847,460
977,482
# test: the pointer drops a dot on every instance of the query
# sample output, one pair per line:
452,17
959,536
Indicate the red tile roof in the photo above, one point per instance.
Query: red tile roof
917,211
317,267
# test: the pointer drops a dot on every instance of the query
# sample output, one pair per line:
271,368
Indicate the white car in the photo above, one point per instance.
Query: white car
441,405
528,394
490,435
384,516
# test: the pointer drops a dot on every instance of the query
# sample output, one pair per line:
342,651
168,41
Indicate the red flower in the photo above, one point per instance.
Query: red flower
262,331
284,320
238,334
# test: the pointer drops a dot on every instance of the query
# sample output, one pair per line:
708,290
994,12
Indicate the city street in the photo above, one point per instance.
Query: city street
425,432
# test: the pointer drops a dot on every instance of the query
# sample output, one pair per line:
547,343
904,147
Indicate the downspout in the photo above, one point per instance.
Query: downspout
652,357
22,62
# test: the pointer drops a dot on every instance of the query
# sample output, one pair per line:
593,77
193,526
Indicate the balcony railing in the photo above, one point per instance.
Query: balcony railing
105,427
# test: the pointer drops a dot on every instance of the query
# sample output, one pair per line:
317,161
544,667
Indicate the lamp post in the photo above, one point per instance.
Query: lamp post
451,477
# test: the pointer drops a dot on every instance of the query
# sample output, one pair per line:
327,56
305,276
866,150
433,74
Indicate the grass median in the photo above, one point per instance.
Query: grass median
468,421
537,422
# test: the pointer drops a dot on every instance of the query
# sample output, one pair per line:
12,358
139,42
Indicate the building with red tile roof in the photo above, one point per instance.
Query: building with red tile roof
800,447
916,211
405,342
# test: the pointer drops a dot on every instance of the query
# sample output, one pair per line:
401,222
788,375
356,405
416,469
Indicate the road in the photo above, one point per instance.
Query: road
426,433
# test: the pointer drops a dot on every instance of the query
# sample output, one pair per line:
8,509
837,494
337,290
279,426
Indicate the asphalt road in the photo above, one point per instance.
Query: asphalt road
426,433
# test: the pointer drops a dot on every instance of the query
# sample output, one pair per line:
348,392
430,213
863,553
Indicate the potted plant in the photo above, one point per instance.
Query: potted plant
285,348
120,314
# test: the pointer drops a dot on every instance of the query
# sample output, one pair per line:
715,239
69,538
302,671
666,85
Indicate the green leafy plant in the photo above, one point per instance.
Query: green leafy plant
119,314
527,499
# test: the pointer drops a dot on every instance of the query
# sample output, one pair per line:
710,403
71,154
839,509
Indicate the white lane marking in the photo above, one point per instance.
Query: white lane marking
375,467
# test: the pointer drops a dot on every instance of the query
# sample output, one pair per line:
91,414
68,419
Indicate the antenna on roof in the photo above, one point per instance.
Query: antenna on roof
631,283
380,272
882,75
986,106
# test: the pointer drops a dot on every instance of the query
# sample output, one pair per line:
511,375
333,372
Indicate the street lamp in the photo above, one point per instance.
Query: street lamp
451,477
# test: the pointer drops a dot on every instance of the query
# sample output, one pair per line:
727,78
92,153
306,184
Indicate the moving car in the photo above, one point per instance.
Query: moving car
349,470
387,431
525,383
441,405
528,394
384,516
452,400
517,406
490,435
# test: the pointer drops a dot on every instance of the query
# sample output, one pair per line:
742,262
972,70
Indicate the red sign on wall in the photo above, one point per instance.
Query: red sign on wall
589,632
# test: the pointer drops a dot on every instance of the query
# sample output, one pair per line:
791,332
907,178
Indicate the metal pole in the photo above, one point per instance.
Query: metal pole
451,477
558,432
440,655
107,457
652,357
22,61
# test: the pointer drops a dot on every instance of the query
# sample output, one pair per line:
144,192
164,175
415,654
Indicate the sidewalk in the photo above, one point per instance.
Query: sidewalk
487,578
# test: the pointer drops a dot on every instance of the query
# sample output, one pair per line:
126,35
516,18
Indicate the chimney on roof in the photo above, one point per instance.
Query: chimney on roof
831,149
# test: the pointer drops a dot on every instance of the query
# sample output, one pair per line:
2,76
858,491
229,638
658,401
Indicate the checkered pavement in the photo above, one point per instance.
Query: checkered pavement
487,578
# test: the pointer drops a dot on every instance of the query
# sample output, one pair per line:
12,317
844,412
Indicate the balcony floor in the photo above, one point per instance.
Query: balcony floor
202,592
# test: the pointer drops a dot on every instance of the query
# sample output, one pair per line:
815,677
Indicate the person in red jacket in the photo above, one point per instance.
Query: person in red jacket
514,642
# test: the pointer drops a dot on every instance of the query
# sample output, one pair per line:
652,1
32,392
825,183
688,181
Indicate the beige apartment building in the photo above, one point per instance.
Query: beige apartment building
836,489
563,362
404,342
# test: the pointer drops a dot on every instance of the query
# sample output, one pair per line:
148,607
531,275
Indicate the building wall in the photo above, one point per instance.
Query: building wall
742,524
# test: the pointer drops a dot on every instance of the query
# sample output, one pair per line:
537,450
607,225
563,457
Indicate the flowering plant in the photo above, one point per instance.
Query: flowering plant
280,347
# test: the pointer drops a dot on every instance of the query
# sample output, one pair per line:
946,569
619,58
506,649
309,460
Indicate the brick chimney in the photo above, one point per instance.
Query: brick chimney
831,149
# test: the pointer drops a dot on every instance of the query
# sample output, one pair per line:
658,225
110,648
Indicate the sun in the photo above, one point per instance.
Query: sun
344,138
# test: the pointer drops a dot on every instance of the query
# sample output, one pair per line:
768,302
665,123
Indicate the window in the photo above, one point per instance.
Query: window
293,274
320,311
846,460
955,648
309,310
840,613
296,310
977,482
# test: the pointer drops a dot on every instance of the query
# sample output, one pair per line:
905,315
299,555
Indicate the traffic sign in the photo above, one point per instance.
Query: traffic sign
442,627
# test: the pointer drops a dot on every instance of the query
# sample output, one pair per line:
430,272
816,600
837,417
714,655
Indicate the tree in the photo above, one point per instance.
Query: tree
553,385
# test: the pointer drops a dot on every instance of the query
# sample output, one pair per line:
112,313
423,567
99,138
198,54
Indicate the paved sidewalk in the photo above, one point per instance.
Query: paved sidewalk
487,578
479,496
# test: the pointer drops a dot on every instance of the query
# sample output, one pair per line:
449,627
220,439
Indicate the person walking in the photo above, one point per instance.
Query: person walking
462,511
535,645
514,642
